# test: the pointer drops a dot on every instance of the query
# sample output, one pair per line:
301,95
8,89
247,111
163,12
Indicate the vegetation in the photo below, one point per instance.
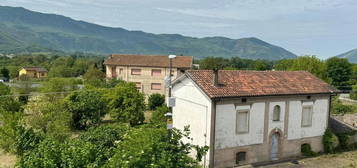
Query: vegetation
87,108
330,141
307,151
156,100
126,103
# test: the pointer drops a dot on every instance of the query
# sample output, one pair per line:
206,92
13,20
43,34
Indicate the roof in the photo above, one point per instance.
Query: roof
38,69
149,61
236,83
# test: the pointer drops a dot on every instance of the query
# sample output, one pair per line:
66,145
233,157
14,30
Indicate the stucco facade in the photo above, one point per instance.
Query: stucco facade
33,72
147,71
145,79
217,118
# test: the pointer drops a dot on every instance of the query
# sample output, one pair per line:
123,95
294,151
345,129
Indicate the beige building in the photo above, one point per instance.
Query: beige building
33,72
147,71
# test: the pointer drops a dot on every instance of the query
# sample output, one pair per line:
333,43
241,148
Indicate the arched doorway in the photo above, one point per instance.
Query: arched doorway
275,146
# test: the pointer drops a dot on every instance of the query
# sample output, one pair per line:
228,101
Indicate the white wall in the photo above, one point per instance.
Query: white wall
276,124
192,108
319,119
226,136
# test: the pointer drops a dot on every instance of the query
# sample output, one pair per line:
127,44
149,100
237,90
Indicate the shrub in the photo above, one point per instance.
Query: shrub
10,123
156,100
126,104
157,147
77,153
158,116
307,151
353,94
26,140
330,141
339,108
47,154
87,108
104,137
51,118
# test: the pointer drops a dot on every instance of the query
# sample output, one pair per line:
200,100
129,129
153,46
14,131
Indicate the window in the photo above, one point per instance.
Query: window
241,157
135,71
121,71
242,121
114,73
276,113
156,86
306,116
156,72
138,85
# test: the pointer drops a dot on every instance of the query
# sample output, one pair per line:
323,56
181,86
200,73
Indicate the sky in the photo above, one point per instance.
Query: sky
323,28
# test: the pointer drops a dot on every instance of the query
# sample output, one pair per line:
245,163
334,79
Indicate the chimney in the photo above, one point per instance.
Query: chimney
215,77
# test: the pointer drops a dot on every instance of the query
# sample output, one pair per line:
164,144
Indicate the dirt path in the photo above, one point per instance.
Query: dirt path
341,160
7,160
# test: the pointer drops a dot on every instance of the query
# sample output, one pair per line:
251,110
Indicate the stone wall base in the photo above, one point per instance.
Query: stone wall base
261,152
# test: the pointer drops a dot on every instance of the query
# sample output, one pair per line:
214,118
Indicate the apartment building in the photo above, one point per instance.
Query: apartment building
147,71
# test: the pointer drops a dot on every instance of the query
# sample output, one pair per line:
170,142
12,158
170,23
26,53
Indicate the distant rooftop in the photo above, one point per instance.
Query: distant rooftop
38,69
149,60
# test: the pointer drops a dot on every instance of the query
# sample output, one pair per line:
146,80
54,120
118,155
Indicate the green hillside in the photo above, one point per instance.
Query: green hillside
24,30
350,55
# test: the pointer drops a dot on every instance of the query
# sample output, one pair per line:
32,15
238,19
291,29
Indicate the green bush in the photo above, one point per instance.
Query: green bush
158,116
26,140
330,141
87,108
10,123
156,100
104,137
155,147
51,118
339,108
353,94
47,154
126,104
307,151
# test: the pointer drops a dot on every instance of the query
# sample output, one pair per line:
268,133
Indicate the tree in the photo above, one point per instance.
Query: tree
7,101
156,100
158,116
5,73
339,70
155,147
56,87
10,123
87,108
126,103
94,78
48,117
261,65
213,63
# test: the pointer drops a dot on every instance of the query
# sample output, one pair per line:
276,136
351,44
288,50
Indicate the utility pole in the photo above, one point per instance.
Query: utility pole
169,100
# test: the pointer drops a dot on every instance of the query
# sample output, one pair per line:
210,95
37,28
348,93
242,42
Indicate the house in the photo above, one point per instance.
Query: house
147,71
252,116
33,72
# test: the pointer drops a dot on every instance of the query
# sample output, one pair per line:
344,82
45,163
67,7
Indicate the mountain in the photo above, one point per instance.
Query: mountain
350,55
24,30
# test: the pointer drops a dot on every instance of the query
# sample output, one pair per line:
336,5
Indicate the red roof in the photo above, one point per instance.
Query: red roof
149,61
259,83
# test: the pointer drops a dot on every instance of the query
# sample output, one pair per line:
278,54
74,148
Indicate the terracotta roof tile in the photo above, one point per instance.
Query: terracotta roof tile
149,61
259,83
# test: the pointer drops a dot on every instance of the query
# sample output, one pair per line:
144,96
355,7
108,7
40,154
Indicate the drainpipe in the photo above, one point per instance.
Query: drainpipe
213,134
